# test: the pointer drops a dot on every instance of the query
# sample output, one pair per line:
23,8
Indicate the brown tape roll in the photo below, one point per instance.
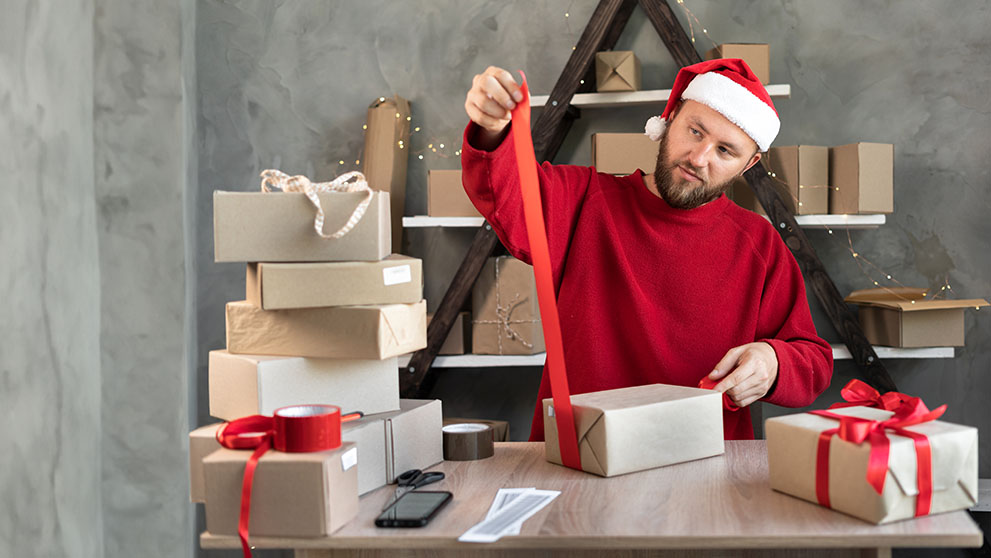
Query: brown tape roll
467,441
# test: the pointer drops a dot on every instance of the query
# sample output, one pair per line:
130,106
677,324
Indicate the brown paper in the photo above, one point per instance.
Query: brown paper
804,169
624,153
202,442
756,55
900,317
791,455
294,494
862,177
276,286
506,316
278,227
387,155
632,429
446,196
360,332
617,70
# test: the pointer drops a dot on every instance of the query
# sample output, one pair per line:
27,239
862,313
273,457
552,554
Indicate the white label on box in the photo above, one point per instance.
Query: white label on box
396,275
550,410
349,459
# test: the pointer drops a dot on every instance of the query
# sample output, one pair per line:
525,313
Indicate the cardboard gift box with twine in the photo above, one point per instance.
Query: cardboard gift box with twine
506,319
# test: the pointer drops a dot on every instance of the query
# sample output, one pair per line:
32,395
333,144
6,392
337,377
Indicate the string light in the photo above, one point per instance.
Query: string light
690,17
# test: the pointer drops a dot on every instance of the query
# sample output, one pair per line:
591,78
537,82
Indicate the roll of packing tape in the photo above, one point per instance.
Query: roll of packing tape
467,441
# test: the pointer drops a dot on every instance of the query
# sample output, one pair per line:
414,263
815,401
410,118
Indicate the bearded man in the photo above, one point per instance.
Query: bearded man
661,278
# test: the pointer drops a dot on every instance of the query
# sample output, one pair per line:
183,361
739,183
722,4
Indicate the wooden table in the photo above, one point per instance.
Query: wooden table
721,506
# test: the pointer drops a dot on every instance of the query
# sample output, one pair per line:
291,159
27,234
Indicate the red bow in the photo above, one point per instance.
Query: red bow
859,394
911,411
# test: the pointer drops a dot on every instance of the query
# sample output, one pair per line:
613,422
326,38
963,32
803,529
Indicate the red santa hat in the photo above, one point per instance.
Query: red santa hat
728,86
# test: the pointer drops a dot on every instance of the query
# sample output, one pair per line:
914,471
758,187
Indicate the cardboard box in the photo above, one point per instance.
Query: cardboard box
277,286
458,341
294,494
791,455
278,227
506,317
500,428
242,385
202,442
362,332
756,55
387,155
804,170
617,70
900,317
446,196
624,153
862,178
632,429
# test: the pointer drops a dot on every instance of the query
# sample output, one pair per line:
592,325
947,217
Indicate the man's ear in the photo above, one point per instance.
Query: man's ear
753,161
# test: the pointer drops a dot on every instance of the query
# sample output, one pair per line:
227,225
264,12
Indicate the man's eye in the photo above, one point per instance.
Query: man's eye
694,131
724,151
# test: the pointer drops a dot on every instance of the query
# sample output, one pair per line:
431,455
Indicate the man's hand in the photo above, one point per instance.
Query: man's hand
492,95
747,372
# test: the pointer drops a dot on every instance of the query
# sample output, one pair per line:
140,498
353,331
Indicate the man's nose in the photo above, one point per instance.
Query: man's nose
700,154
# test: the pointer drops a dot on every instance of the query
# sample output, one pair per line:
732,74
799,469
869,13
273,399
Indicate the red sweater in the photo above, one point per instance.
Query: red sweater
652,294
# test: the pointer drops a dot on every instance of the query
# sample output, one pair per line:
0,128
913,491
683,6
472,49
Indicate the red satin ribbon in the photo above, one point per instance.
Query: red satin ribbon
857,430
294,429
858,394
706,383
533,212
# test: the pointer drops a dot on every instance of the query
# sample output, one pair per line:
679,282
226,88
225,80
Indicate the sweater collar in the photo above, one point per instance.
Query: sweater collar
656,204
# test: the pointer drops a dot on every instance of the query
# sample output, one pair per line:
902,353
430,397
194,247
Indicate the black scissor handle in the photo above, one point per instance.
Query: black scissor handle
428,478
409,477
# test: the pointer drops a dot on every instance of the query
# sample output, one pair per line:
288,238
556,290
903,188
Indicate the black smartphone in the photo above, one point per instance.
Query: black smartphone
413,509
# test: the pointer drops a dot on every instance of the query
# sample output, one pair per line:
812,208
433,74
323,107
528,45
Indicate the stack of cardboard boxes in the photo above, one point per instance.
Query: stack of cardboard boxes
322,322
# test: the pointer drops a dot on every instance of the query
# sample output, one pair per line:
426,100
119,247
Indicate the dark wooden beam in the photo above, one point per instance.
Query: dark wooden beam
672,33
608,43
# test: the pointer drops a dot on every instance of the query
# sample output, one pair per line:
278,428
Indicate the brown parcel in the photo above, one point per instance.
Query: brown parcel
506,318
387,155
617,70
202,442
899,317
446,196
276,286
862,178
743,195
381,457
365,332
293,495
459,338
756,55
804,169
242,385
791,459
623,153
632,429
278,227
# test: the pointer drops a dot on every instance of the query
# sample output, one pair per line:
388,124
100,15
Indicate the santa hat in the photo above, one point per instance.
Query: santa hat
728,86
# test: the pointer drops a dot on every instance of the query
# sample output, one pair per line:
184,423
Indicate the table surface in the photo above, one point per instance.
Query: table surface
720,502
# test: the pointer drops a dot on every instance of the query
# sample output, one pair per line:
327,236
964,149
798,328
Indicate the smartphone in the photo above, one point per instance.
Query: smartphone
413,509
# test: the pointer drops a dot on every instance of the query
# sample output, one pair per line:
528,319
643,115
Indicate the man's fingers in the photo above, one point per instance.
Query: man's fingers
507,82
496,91
726,364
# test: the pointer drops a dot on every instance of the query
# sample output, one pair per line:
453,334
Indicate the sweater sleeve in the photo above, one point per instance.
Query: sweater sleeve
491,180
805,361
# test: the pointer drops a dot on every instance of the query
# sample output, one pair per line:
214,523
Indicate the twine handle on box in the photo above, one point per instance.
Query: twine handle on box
272,178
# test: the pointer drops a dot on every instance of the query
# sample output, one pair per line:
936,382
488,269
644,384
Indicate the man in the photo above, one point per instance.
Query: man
662,279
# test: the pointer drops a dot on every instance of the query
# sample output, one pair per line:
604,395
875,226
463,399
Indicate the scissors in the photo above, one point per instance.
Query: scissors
411,480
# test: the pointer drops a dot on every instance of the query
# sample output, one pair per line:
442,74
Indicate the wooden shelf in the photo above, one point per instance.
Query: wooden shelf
805,221
840,352
637,98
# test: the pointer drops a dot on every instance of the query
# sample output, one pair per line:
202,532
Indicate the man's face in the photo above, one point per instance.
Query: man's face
700,154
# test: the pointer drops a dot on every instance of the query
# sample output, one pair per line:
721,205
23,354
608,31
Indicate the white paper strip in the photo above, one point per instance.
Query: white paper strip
519,510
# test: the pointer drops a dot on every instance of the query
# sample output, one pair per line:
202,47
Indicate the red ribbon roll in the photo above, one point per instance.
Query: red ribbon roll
293,429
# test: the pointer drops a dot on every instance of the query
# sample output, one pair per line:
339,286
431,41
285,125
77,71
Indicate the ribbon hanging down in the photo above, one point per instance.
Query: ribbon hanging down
293,429
272,178
536,230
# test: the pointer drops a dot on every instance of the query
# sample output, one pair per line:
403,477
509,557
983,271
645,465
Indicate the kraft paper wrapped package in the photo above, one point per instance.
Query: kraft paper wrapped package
617,70
243,385
359,332
506,316
275,286
903,317
862,178
804,169
793,443
632,429
279,227
756,55
294,494
202,442
386,155
446,196
623,153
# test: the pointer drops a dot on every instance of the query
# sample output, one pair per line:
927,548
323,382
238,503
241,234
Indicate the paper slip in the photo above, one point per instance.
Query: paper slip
515,512
504,497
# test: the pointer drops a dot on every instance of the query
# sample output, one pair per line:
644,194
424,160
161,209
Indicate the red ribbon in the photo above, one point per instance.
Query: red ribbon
294,429
858,394
706,383
540,255
857,430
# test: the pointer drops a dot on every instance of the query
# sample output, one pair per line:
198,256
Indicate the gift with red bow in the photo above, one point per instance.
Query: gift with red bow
878,457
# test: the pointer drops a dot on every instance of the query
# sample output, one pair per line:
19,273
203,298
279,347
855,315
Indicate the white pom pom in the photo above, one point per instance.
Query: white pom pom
654,128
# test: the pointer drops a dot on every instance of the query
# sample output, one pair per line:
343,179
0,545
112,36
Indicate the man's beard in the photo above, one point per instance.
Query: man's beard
683,195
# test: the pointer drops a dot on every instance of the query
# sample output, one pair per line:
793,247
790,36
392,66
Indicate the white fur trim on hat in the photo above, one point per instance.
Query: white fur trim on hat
655,128
737,104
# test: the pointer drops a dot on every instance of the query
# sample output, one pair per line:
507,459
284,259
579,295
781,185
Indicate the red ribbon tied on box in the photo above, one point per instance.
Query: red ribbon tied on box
858,394
911,411
293,429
